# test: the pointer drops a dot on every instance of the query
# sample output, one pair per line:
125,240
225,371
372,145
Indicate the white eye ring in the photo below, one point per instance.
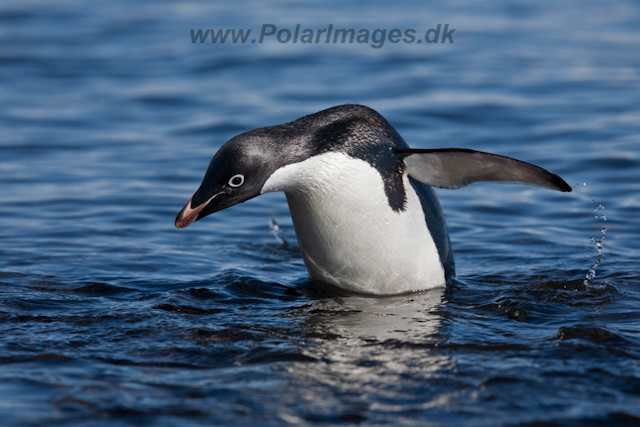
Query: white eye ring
234,177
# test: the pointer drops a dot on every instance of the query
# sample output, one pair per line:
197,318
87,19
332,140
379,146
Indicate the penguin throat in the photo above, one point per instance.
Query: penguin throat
335,172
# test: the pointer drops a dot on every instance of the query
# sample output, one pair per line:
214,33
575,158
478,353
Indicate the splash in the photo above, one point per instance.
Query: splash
591,274
601,216
277,232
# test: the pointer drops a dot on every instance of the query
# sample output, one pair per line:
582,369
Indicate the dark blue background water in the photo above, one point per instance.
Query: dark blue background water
109,116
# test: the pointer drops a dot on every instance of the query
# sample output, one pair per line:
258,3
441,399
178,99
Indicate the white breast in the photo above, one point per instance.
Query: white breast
349,235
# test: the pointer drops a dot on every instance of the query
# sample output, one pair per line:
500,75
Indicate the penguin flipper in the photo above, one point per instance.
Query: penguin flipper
458,167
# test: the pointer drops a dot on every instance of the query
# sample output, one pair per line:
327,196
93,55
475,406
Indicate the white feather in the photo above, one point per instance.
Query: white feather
349,235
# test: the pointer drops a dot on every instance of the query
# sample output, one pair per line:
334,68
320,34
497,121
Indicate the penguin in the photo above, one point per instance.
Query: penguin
364,212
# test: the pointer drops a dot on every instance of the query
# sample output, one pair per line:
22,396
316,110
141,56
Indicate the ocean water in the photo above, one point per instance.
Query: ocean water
109,315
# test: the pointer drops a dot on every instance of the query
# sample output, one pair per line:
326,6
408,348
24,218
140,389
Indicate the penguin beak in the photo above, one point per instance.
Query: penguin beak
188,215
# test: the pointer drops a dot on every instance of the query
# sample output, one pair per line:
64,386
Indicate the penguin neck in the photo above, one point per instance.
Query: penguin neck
349,235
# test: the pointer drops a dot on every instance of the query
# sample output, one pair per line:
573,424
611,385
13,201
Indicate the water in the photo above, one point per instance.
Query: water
109,314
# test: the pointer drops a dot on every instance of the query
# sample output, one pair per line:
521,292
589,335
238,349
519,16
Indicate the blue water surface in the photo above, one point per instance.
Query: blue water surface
109,315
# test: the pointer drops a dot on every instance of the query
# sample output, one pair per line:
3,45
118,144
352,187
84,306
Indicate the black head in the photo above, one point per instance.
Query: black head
236,174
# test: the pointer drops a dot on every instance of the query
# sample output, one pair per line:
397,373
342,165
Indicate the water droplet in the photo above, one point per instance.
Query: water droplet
277,232
591,274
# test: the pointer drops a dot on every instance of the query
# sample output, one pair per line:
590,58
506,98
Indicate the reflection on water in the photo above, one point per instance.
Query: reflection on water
412,318
372,336
363,346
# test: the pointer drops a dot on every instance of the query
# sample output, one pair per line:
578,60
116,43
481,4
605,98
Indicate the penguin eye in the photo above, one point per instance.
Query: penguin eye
236,180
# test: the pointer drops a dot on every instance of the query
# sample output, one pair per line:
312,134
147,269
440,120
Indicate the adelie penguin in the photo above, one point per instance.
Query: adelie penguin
364,212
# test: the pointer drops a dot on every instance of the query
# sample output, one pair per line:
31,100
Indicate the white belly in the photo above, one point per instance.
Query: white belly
349,235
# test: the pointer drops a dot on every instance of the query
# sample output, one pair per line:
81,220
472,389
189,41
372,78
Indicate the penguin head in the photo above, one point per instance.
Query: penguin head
236,174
